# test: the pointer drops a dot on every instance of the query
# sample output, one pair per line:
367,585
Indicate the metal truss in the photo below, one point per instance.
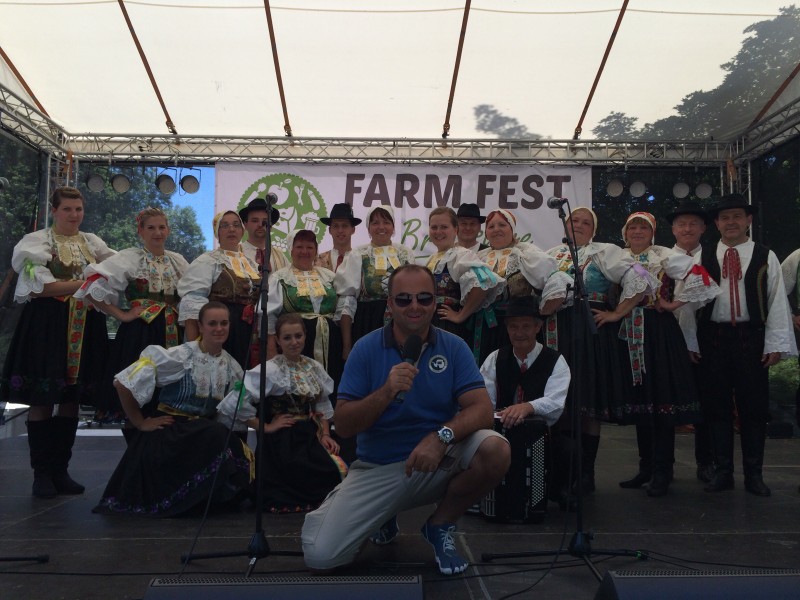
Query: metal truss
188,149
775,129
27,123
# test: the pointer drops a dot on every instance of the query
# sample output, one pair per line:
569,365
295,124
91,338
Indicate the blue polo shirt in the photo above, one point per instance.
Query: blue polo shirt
447,369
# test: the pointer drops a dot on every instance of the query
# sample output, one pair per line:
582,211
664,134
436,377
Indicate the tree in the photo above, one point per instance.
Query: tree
616,126
491,120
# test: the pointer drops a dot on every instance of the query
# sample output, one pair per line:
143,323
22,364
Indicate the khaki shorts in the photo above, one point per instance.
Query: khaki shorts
370,495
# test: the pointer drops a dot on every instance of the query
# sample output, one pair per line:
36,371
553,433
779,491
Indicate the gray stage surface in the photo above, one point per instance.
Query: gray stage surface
94,556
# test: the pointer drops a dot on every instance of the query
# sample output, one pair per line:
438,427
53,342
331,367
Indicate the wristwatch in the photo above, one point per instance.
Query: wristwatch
446,435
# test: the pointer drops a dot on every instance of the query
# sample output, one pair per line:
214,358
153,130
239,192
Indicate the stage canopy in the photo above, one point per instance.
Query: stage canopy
677,69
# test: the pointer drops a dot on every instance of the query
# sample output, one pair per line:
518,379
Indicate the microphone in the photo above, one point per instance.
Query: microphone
411,351
556,202
271,198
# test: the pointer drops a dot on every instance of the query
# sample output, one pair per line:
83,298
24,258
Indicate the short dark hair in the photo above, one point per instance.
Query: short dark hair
65,192
211,306
411,267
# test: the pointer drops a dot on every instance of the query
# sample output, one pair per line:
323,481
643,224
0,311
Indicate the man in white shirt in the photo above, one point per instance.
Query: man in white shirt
254,217
742,333
527,380
469,226
341,225
689,221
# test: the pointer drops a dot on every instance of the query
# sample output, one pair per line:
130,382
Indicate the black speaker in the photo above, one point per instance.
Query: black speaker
408,587
744,584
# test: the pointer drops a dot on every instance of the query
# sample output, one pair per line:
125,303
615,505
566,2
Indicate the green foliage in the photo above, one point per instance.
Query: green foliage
491,120
783,382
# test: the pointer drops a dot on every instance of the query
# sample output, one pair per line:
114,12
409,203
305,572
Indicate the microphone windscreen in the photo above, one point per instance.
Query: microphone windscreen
412,348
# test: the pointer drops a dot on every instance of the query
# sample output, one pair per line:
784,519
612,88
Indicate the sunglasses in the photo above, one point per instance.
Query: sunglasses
423,299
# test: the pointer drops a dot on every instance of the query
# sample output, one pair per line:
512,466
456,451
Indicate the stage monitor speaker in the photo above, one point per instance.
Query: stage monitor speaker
408,587
736,584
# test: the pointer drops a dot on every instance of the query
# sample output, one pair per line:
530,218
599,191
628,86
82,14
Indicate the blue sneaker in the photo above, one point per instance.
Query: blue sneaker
444,548
387,533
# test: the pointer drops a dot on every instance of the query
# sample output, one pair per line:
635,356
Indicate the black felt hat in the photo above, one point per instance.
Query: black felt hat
523,306
260,204
732,201
341,211
471,211
689,207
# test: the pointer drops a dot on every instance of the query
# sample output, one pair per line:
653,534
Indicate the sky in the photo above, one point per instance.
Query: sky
202,202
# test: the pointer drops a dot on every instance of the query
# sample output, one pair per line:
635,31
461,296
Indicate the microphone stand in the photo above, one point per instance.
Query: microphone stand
258,547
583,327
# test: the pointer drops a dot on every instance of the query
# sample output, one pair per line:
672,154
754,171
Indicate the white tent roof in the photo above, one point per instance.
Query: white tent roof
360,68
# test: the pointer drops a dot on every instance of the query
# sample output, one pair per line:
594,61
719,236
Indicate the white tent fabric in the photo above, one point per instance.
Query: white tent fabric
359,68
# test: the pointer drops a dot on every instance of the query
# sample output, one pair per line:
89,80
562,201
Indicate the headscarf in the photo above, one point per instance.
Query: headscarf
507,216
644,216
218,219
594,218
385,207
292,236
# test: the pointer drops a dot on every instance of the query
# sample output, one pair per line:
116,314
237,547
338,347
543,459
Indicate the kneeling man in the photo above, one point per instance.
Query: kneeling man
423,431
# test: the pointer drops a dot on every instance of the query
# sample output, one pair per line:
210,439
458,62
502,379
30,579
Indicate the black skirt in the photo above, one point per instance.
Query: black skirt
668,390
297,470
240,337
369,317
335,365
36,364
599,361
167,472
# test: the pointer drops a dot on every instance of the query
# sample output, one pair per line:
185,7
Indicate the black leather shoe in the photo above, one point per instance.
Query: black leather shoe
43,486
705,473
636,482
720,483
756,486
658,486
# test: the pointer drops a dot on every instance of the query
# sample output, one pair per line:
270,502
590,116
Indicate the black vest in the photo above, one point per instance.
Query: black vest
756,291
533,381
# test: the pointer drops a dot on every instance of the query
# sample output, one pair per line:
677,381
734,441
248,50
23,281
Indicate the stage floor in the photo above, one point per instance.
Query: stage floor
93,556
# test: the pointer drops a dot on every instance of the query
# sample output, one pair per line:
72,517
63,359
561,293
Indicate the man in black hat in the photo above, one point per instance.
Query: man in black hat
527,379
341,225
254,217
741,334
689,221
469,227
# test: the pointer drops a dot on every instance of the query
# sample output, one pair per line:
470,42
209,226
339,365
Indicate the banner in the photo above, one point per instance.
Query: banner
306,194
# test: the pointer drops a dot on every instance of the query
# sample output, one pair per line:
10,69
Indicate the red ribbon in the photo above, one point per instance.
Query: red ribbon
700,270
732,270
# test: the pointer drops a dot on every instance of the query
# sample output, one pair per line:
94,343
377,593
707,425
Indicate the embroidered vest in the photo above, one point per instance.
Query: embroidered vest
533,381
755,283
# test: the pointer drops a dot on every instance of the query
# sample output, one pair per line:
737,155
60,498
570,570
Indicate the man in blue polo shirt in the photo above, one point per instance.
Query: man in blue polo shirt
432,446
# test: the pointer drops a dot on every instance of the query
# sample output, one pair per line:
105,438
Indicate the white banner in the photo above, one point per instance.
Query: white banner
306,193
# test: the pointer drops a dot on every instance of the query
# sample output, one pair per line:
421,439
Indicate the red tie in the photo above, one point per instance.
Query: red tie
520,393
260,255
339,262
732,269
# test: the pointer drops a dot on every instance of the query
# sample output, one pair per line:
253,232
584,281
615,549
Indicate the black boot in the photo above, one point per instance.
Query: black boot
663,456
40,440
64,429
722,442
589,445
644,441
753,436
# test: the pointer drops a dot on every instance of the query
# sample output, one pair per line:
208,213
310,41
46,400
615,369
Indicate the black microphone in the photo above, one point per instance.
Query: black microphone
271,198
411,351
556,202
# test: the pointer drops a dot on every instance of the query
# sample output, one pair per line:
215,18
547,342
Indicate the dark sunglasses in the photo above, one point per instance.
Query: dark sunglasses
423,299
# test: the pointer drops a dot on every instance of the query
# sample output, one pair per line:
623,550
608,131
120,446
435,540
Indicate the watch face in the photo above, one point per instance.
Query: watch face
446,435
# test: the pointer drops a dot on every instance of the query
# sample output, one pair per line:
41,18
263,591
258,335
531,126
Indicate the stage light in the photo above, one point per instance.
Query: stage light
680,190
190,184
638,189
703,191
95,183
120,183
614,188
165,184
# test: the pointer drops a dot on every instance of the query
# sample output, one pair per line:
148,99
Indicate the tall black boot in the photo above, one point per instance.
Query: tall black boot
644,440
753,437
40,441
722,442
703,453
589,445
64,429
663,456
